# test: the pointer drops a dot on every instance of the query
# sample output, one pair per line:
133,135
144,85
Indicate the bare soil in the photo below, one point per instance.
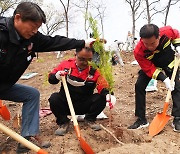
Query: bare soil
120,117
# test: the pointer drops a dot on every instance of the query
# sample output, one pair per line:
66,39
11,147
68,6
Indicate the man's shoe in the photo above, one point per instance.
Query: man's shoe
63,129
176,124
35,140
21,149
139,124
93,125
39,142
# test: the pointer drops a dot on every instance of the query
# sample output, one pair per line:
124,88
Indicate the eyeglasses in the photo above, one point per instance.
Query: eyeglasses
84,59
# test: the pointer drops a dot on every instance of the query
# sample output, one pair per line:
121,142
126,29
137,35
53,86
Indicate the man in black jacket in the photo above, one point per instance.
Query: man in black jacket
19,40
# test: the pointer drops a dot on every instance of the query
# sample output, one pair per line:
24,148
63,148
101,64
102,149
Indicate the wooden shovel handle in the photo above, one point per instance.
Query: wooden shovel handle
176,64
69,101
85,146
21,139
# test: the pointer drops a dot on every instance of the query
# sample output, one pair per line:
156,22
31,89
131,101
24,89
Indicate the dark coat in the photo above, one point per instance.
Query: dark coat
16,53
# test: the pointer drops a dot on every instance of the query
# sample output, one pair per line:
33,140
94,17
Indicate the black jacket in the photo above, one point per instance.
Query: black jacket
17,53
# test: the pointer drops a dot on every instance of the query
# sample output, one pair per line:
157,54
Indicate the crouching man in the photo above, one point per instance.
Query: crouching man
82,79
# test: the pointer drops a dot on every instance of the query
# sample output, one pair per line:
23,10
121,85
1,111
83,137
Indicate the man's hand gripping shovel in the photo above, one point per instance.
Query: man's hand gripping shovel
161,119
4,112
84,145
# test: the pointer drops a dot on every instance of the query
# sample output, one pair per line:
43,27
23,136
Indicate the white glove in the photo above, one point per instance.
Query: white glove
178,51
169,85
89,42
60,73
110,100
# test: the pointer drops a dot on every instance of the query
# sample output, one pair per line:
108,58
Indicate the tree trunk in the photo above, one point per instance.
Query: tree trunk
167,12
148,12
133,30
67,25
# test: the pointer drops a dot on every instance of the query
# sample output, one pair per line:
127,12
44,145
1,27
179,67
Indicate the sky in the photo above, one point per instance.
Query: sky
118,21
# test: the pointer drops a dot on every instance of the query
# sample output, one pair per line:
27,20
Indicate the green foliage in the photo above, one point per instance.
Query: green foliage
104,65
40,60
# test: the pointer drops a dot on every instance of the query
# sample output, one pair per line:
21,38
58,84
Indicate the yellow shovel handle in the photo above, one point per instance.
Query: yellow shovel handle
71,108
176,64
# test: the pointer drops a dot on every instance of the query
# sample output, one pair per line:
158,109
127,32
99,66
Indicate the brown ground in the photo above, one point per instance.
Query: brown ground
135,141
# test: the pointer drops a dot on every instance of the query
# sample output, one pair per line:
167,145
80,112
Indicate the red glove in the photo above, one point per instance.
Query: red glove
60,73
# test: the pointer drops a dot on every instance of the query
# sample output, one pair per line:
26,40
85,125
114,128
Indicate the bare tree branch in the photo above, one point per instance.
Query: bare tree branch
55,20
6,5
85,6
101,8
167,8
66,9
111,134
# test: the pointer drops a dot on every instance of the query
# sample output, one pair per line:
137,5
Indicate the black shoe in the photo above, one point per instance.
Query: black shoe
176,124
93,125
63,129
35,140
21,148
139,124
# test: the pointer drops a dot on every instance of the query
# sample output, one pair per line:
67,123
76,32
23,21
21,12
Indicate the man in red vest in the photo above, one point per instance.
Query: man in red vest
156,59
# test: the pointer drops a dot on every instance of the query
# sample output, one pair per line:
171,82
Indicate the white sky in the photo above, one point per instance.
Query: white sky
118,21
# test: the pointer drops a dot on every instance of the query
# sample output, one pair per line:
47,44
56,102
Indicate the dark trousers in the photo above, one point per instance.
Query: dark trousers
91,107
140,95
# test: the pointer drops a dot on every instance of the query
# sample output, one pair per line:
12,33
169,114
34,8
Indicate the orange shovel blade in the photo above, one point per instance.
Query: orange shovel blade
84,145
158,123
4,112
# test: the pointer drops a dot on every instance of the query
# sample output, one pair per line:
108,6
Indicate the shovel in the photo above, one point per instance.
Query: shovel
21,139
161,119
84,145
4,112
